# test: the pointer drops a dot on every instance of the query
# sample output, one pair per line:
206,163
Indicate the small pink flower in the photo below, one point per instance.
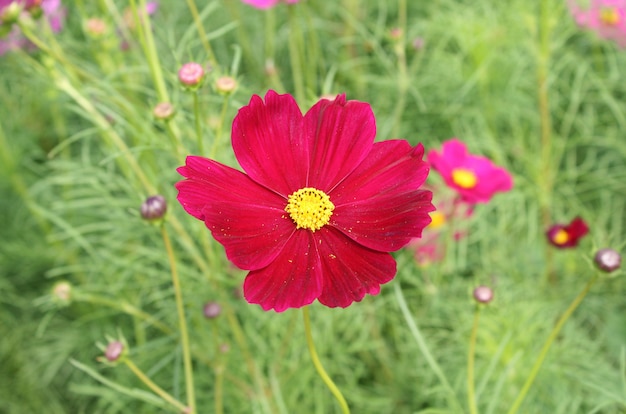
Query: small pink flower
475,178
266,4
605,17
191,74
52,11
567,235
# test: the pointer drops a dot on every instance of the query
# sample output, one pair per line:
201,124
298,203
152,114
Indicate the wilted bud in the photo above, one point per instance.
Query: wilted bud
483,294
163,111
62,292
114,351
154,207
191,74
212,310
225,85
95,27
608,260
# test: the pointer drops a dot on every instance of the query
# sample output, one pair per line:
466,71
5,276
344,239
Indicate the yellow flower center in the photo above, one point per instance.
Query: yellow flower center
609,16
438,219
464,178
560,237
309,208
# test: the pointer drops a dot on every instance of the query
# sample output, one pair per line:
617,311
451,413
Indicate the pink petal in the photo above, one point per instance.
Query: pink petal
270,143
246,218
292,280
261,4
343,134
380,204
350,271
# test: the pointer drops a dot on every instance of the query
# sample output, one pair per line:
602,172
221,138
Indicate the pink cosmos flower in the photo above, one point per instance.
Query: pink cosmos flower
606,17
475,178
266,4
567,235
52,10
320,205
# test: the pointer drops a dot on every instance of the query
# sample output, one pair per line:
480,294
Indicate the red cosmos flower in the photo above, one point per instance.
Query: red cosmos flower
475,178
320,205
567,235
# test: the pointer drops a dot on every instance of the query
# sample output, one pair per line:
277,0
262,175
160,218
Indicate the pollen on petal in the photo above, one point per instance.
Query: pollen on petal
309,208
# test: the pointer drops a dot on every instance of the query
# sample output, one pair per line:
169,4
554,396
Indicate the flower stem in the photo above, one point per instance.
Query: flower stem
198,123
318,365
150,384
546,346
295,56
471,393
191,400
203,37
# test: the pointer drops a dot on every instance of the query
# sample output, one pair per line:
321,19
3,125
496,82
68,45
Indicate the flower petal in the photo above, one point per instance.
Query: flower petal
292,280
343,134
350,271
270,143
380,204
246,218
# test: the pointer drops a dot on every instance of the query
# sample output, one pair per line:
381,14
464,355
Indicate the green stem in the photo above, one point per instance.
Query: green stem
191,399
155,388
295,57
318,365
403,79
421,343
203,37
471,386
546,346
220,127
198,123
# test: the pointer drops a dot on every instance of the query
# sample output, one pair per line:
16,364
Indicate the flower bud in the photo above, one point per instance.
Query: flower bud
191,74
212,310
10,13
225,85
608,260
163,111
95,27
62,292
483,294
114,351
418,43
154,208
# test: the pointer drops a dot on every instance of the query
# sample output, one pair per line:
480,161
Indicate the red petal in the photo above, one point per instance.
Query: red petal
270,143
246,218
343,133
292,280
380,204
350,271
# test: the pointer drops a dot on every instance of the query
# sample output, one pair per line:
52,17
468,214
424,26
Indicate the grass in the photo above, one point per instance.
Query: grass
80,151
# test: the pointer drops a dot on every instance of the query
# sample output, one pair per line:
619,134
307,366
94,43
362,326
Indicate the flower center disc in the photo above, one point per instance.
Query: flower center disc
464,178
609,16
309,208
560,237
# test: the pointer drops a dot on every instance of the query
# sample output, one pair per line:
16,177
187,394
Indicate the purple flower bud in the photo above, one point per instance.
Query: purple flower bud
483,294
191,74
154,208
212,310
113,351
608,260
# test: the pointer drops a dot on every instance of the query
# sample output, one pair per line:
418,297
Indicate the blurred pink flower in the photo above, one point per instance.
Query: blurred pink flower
14,39
266,4
606,17
567,235
475,178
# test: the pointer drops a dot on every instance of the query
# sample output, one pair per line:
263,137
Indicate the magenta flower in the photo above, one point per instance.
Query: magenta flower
605,17
475,178
266,4
52,10
320,205
567,235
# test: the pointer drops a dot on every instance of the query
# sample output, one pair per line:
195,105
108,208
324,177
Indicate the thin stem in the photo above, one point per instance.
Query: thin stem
546,346
403,79
200,29
198,123
220,127
318,365
471,386
295,57
157,390
421,343
191,399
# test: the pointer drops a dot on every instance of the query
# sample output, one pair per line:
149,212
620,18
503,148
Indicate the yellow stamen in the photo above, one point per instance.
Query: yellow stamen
560,237
464,178
438,219
609,16
310,208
